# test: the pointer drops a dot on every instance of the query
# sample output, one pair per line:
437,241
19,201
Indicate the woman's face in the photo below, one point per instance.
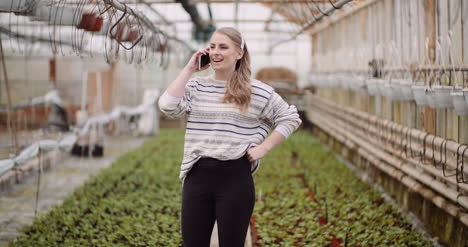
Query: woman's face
223,53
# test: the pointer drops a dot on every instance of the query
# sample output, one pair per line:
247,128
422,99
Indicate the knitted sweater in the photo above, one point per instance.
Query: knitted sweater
222,131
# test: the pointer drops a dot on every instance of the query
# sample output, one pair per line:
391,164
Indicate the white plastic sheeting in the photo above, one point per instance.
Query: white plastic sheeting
14,5
65,144
51,97
114,115
67,141
148,124
57,14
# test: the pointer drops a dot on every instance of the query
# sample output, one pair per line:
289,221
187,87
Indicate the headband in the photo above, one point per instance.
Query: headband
242,43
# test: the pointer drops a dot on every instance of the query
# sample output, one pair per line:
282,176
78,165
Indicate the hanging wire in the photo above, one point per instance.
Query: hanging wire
77,18
457,14
320,10
443,150
404,141
59,14
141,41
52,33
9,26
11,130
108,40
423,153
311,10
460,172
38,185
333,5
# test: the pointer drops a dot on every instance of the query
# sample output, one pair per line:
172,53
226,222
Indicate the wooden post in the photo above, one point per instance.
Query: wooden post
115,78
53,71
430,27
463,120
7,86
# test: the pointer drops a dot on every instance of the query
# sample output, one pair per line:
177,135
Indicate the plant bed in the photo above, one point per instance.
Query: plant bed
135,202
343,212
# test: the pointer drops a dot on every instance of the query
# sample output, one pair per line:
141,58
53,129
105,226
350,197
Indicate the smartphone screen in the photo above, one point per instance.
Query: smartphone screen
203,60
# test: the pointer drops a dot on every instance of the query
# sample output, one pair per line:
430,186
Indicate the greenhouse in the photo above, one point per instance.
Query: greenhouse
234,123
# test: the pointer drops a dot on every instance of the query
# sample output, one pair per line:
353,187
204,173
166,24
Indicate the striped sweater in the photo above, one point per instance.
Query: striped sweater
221,131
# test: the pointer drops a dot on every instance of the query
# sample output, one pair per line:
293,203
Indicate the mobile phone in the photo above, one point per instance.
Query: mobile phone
203,60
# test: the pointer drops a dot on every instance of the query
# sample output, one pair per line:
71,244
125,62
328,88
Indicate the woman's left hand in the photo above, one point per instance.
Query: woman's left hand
256,153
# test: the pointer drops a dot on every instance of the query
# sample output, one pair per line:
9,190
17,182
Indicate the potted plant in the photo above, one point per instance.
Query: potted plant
392,89
419,93
373,87
88,21
406,90
442,96
383,87
431,98
458,100
358,84
465,94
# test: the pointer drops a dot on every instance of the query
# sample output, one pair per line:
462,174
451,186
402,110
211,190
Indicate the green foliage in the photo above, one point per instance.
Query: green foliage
136,202
286,216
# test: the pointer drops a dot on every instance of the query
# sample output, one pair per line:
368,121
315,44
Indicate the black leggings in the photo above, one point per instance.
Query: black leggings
221,190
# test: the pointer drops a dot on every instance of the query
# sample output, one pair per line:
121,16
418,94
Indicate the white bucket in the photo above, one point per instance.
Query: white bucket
459,103
465,94
407,92
373,87
431,98
442,96
419,93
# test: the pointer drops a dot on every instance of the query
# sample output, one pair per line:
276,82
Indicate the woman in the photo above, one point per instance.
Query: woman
229,118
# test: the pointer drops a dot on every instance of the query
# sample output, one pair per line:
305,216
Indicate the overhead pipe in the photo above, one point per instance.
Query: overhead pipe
414,163
37,39
419,135
364,133
311,23
414,148
379,159
55,14
399,164
15,6
402,133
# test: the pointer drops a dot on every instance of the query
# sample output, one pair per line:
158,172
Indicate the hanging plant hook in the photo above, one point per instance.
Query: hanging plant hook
320,10
334,6
460,176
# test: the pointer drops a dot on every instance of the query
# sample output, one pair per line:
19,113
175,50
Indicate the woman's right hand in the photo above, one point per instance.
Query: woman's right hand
192,65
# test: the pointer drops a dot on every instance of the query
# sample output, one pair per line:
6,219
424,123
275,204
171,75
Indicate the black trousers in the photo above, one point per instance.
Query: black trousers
217,190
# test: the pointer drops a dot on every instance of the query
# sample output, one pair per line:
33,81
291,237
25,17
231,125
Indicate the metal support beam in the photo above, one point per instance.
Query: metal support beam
210,1
37,39
152,9
274,8
311,23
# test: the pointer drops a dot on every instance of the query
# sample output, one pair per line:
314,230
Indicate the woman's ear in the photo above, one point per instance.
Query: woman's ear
240,54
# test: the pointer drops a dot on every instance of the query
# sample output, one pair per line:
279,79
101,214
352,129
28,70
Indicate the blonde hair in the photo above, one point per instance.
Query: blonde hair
238,89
